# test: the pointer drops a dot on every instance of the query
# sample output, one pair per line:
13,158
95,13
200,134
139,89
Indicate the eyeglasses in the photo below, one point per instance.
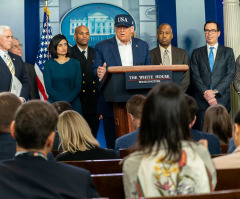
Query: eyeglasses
210,31
16,46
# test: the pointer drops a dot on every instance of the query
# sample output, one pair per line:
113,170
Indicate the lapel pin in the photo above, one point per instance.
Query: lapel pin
13,59
136,45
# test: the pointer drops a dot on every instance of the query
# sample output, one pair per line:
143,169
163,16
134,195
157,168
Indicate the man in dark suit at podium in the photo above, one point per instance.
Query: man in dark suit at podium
167,54
89,93
11,65
212,72
121,50
30,174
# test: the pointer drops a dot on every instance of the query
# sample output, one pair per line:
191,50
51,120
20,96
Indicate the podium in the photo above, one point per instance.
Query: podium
115,89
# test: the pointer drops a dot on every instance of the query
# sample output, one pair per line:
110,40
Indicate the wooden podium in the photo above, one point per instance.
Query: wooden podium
114,89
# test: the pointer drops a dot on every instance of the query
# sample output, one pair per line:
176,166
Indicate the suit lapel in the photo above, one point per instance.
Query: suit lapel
135,52
204,54
220,52
5,67
115,52
158,56
174,56
90,56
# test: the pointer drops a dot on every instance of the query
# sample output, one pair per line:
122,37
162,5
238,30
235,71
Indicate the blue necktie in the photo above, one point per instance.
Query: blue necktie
211,58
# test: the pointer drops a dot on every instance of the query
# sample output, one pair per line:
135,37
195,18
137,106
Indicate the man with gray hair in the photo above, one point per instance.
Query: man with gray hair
16,48
11,65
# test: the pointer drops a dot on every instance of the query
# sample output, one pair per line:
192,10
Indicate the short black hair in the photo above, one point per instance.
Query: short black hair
192,107
218,27
53,46
62,106
34,122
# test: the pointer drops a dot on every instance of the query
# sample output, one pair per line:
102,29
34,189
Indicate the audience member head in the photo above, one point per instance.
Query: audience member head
16,47
34,126
5,37
164,121
124,27
134,108
75,133
59,46
62,106
165,35
217,121
236,130
192,108
212,32
8,106
82,36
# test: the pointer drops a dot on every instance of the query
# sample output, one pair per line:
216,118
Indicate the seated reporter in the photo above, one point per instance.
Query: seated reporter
217,121
77,140
232,160
166,161
29,174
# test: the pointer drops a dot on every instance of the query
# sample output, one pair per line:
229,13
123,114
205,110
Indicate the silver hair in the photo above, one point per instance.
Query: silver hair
3,27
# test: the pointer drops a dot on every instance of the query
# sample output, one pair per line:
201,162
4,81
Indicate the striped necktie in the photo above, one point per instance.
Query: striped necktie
9,63
166,59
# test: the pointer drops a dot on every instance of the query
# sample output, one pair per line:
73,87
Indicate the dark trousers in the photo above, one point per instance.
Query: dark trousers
93,121
109,131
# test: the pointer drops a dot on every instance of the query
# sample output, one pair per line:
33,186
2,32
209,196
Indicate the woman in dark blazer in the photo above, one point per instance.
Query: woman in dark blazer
77,140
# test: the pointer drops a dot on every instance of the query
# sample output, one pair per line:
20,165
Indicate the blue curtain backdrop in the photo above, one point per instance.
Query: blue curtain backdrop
214,12
32,30
166,13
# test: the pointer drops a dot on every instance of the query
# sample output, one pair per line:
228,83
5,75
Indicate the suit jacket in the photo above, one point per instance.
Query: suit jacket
8,147
179,56
107,51
20,73
34,94
89,92
231,146
213,141
126,141
220,78
236,81
229,161
93,154
27,176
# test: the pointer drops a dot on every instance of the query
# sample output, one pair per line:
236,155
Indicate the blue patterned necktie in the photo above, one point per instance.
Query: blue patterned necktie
211,58
166,58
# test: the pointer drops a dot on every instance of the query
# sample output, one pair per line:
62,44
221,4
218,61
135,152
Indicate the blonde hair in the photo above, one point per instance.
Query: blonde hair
75,133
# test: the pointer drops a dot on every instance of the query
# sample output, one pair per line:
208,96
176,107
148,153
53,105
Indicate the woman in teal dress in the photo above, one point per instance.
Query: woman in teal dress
62,74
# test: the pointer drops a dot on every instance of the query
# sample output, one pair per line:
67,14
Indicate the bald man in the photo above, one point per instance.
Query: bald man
176,55
89,94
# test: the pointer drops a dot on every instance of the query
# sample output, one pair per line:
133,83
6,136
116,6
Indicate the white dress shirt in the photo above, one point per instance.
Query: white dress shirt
86,51
162,50
126,53
214,50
